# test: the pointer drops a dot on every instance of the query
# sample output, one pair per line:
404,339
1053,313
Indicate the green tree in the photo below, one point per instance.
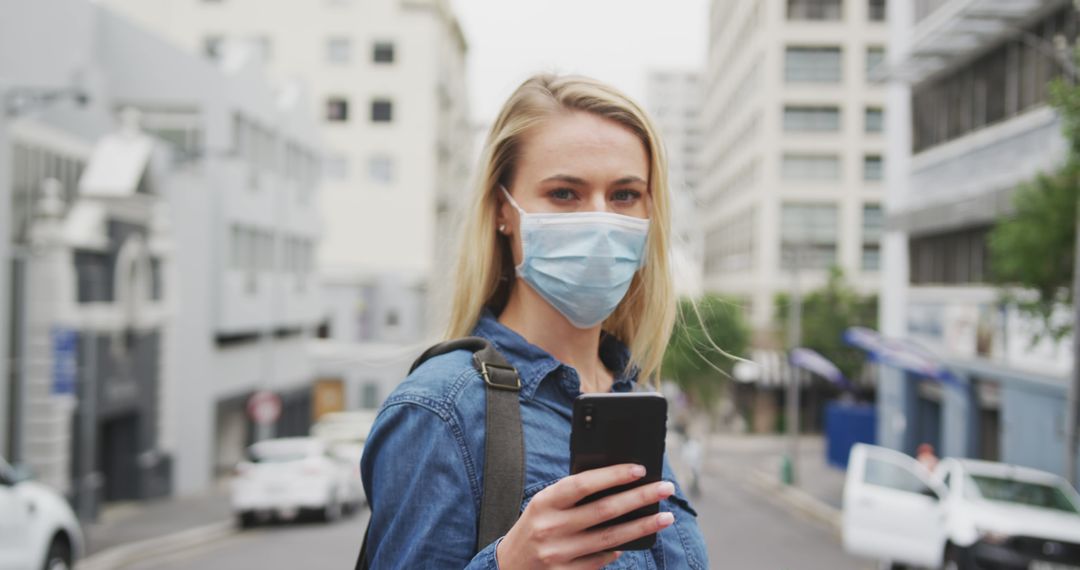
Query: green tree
1034,248
707,334
826,314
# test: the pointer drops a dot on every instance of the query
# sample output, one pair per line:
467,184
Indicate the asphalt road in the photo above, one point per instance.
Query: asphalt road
742,527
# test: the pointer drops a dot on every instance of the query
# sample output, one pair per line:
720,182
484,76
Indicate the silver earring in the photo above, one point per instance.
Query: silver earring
502,228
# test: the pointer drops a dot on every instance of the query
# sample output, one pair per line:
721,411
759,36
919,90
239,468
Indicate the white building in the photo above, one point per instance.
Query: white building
968,122
180,247
793,153
388,85
673,100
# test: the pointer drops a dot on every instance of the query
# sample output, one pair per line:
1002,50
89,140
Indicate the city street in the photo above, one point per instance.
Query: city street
743,529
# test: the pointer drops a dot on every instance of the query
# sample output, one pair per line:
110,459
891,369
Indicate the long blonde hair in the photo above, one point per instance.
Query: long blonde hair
485,268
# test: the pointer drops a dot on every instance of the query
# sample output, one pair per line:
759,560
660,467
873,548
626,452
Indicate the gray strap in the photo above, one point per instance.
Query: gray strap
504,453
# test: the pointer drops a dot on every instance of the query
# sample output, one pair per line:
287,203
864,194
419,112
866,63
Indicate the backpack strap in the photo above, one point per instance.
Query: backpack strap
503,485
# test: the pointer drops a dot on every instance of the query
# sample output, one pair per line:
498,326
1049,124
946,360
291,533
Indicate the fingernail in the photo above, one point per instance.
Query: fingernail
665,488
665,519
638,471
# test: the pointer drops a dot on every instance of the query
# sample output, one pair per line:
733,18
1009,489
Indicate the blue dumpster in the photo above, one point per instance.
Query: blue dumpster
846,424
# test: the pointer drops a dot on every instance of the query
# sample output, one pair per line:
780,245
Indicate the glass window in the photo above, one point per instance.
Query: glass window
875,120
338,50
810,167
337,167
1024,492
872,225
813,65
874,57
815,9
888,474
383,52
212,46
811,119
873,168
808,235
369,396
381,169
337,109
876,10
382,111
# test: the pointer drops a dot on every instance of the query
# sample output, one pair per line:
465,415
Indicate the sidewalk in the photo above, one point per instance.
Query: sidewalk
819,488
126,532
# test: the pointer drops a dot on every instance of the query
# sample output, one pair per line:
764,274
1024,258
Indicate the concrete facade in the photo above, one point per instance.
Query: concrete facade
794,147
230,240
673,100
950,181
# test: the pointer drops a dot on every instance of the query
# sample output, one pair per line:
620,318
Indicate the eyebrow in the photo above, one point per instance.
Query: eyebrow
581,182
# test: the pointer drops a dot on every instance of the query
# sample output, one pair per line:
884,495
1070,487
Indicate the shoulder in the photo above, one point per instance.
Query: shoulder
442,384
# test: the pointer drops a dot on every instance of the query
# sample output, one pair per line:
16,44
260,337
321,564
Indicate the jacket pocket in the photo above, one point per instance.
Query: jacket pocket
690,538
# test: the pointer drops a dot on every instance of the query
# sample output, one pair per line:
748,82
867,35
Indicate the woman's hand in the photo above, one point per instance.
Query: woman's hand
554,533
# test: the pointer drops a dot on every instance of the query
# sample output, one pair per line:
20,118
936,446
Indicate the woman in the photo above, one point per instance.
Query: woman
564,269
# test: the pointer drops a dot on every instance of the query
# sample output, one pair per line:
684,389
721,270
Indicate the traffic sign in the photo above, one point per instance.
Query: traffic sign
264,407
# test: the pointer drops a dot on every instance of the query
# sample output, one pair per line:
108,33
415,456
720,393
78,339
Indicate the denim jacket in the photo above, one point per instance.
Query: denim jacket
423,462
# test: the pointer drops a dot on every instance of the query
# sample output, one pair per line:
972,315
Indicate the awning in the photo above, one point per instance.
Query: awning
814,362
902,354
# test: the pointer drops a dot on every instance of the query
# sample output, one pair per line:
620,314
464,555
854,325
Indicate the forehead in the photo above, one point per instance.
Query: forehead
582,144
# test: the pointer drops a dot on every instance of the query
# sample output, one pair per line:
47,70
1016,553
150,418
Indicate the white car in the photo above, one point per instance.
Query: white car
290,476
37,526
966,514
345,434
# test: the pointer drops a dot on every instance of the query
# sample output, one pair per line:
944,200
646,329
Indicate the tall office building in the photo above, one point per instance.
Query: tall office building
793,154
969,123
673,100
387,79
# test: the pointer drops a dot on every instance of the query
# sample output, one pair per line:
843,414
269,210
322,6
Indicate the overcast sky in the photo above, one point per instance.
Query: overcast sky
616,41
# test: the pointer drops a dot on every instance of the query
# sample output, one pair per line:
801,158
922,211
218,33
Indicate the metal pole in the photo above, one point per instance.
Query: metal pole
88,479
1069,67
794,334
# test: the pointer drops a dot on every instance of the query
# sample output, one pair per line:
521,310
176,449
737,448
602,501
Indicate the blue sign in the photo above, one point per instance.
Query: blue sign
65,349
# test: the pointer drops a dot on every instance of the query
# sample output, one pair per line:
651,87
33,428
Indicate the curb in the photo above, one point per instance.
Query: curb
126,554
797,500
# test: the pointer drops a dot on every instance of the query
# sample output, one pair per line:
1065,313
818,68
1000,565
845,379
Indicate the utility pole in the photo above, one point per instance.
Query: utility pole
794,334
1065,58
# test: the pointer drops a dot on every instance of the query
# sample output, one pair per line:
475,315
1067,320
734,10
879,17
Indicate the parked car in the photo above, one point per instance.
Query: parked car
288,477
966,514
345,434
37,526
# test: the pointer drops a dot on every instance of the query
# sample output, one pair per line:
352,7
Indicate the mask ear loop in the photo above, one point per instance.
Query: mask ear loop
521,229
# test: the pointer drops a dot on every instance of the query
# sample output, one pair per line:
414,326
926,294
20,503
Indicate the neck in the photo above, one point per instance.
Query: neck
528,314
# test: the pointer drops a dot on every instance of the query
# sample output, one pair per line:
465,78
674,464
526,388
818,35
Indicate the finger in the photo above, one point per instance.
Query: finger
596,512
566,493
595,561
610,537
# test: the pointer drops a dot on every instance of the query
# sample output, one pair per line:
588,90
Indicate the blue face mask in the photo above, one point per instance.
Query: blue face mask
581,262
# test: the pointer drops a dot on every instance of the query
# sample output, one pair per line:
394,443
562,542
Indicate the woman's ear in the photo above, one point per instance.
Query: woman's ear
502,214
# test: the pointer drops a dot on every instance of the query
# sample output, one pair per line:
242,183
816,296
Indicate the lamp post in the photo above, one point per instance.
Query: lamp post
790,470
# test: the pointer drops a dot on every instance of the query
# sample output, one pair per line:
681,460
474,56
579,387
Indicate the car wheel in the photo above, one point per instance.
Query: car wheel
246,519
59,556
332,511
955,558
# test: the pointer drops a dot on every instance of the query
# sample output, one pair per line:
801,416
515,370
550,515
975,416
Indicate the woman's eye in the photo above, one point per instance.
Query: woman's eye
625,195
562,194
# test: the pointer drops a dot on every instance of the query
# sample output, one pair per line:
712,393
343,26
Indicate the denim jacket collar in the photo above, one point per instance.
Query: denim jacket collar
534,364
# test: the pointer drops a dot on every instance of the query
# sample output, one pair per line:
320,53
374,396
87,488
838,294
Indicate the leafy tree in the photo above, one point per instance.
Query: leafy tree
826,314
1034,249
708,333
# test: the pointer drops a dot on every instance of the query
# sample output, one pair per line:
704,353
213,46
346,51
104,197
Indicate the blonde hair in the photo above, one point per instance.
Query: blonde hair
485,268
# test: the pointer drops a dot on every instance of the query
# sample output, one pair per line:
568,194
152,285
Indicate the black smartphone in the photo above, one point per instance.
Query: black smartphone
615,428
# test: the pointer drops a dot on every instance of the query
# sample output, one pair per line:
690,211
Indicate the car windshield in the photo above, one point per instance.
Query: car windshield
282,451
1024,492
